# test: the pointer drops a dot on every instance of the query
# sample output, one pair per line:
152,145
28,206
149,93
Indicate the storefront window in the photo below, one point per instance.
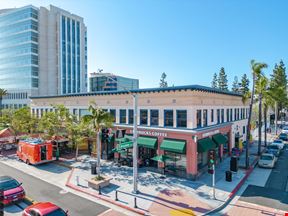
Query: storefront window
199,118
231,114
205,118
181,118
202,159
222,115
154,117
218,116
143,117
122,116
177,164
130,116
168,118
113,114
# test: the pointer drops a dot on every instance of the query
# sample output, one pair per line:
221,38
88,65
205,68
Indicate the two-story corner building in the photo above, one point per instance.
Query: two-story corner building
182,122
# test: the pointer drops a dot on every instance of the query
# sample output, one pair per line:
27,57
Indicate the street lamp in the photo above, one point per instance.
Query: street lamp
134,139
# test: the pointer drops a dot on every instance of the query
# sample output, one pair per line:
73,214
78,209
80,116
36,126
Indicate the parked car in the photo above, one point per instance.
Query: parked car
285,129
283,136
267,160
12,190
279,143
274,149
44,209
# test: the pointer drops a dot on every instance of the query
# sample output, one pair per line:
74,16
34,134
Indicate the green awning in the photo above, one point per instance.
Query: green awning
203,145
126,145
147,142
177,146
126,138
122,147
219,139
161,158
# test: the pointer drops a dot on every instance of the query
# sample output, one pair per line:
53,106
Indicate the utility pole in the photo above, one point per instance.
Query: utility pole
135,147
134,139
213,181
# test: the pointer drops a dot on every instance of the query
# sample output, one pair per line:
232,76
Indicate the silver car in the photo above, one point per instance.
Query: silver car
267,160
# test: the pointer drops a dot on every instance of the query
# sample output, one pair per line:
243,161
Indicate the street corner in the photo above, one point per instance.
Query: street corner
177,202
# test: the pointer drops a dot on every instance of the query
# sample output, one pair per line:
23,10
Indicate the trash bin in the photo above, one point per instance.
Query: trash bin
234,164
228,176
93,168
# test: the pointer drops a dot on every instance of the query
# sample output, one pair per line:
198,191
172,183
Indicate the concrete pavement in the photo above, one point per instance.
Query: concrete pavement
42,192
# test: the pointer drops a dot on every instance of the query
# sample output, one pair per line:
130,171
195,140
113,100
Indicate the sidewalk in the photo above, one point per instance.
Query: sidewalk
170,196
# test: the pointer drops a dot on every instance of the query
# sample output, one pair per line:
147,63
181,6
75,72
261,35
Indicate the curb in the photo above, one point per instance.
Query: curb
236,189
68,184
29,201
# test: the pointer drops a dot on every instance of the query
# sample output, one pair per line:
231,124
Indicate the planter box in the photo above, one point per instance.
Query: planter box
102,183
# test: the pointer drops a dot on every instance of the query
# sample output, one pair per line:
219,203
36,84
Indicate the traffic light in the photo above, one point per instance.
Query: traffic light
211,161
211,157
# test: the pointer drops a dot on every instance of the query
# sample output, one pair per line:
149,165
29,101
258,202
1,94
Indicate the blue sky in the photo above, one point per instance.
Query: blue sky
189,40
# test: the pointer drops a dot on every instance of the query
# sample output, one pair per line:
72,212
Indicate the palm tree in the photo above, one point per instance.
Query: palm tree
268,102
3,92
256,68
260,90
99,119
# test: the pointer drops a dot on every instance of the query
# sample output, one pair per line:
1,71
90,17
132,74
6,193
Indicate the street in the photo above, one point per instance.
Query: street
274,193
41,191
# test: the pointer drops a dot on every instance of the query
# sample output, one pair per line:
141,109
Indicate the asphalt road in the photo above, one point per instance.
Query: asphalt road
42,191
275,192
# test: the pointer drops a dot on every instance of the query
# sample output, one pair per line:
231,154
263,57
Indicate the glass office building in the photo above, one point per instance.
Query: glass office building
43,51
111,82
19,52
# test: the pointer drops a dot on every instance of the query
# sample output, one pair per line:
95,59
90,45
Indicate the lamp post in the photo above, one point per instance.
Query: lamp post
134,139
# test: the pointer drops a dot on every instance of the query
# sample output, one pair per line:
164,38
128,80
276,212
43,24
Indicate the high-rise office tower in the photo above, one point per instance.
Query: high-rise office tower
43,51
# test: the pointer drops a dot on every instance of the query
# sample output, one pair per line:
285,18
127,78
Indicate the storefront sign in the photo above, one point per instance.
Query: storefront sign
210,133
151,133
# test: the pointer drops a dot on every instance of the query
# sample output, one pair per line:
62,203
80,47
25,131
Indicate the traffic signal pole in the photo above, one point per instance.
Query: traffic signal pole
213,182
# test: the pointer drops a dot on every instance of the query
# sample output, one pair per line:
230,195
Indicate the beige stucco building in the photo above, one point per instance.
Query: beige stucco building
192,116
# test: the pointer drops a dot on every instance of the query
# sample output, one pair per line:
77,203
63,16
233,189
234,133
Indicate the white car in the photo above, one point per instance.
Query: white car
267,160
279,143
285,129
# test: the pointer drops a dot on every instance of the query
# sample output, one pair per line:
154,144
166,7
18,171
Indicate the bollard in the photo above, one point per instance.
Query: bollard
99,190
116,195
77,179
135,202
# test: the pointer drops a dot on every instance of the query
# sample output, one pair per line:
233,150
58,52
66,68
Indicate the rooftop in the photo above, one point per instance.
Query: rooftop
148,90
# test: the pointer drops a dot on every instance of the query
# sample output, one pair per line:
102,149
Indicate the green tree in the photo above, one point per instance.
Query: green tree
235,85
278,84
256,68
6,118
55,123
163,82
244,84
77,132
23,121
50,124
214,83
222,80
99,119
3,92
